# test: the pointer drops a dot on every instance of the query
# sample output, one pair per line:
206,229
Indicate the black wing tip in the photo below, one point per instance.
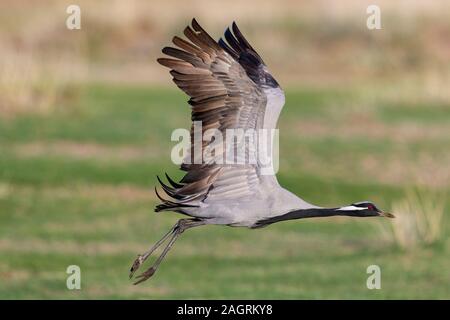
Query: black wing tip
234,26
236,42
165,62
172,182
165,49
223,44
196,26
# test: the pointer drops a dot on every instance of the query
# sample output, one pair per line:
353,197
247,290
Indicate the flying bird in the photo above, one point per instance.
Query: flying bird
230,87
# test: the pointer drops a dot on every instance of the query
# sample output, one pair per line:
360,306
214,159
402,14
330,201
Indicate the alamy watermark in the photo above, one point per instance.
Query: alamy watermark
229,147
73,21
374,280
73,281
374,19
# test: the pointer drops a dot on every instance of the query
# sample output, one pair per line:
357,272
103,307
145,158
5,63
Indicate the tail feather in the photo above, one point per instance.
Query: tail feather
176,201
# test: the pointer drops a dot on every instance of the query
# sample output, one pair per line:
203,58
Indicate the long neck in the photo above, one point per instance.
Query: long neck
309,213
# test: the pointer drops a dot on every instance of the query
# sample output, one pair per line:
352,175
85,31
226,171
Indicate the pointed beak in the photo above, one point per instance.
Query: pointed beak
387,215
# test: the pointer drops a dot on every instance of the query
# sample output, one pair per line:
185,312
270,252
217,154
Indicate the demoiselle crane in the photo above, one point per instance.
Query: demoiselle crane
230,87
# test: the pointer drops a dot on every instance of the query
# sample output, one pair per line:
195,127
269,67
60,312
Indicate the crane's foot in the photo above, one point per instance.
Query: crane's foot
145,275
136,264
173,235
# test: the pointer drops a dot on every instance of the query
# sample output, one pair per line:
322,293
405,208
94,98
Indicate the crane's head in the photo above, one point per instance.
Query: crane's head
364,209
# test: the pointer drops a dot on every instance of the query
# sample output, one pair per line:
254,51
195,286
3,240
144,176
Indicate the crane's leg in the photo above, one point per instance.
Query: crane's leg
142,257
173,234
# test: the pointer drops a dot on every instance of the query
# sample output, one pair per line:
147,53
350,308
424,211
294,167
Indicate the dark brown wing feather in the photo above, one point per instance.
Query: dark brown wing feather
221,96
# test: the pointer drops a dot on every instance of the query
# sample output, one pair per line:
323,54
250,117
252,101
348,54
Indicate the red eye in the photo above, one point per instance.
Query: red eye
371,207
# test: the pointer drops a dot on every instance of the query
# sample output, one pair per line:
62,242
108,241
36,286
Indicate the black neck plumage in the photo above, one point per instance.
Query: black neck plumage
310,213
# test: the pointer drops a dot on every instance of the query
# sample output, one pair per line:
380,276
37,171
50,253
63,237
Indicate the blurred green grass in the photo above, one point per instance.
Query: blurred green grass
76,188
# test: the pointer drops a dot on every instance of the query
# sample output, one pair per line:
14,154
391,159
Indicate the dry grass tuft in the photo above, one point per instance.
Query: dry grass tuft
5,190
28,86
419,220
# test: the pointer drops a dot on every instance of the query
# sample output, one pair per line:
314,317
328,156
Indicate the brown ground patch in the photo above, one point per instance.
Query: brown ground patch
186,246
86,150
369,128
397,170
69,247
127,193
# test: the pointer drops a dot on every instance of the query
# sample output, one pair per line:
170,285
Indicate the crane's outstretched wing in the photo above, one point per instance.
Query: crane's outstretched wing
226,82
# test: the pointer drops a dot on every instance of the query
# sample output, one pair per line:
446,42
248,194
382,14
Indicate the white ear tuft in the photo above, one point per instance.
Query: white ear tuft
351,208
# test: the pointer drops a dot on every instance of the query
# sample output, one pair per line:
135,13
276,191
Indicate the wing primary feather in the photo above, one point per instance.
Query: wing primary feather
171,192
193,36
185,56
207,37
173,183
221,79
232,41
240,37
189,47
228,49
161,198
186,77
173,63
